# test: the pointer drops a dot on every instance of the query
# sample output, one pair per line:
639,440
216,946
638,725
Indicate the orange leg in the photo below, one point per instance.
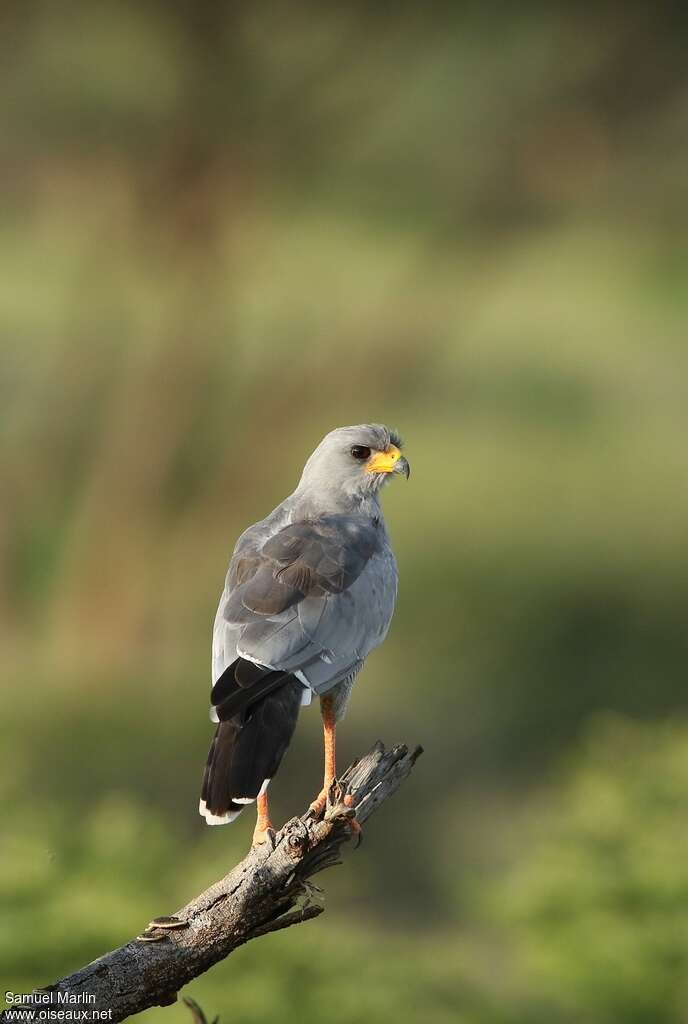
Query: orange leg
329,727
263,822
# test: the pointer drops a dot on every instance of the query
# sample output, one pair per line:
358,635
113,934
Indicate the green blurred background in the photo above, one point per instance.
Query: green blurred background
227,229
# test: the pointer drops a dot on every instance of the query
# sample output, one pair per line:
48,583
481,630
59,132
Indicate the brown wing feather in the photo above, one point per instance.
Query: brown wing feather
307,559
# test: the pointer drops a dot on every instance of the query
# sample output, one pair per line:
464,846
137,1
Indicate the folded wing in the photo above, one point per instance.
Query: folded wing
311,598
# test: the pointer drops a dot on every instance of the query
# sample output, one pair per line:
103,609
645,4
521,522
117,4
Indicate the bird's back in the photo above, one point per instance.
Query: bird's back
311,596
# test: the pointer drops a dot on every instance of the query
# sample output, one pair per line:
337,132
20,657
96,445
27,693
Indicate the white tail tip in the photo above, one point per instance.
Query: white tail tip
216,819
251,799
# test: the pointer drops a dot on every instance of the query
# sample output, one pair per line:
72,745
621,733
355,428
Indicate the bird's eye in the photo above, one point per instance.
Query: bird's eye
359,451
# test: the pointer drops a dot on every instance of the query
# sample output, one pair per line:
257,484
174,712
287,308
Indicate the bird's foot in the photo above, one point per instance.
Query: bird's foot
317,807
263,833
354,824
332,804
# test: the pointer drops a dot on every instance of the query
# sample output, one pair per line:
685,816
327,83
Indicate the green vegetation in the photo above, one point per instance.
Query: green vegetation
229,231
598,905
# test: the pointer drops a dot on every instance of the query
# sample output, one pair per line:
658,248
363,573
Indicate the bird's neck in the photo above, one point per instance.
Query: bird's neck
337,502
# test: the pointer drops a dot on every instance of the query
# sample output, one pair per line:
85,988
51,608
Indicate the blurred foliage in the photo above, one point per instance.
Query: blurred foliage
227,229
597,901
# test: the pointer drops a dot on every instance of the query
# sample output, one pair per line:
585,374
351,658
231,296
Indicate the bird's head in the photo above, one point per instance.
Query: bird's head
355,461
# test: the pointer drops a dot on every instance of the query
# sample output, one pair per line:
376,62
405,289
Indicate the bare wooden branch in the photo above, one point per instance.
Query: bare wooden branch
269,890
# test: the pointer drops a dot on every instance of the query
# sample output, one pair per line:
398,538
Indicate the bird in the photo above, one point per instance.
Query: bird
309,593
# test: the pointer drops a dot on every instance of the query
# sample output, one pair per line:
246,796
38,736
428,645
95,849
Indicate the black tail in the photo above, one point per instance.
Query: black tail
242,684
248,746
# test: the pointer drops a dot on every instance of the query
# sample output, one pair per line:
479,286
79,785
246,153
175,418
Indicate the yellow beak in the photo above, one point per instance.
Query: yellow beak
384,462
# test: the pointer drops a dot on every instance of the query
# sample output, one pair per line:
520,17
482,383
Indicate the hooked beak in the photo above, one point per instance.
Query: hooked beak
391,461
402,466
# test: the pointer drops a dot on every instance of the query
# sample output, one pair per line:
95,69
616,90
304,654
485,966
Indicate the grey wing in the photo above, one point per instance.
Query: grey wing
314,598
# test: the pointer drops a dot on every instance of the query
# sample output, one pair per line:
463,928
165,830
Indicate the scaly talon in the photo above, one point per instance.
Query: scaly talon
354,825
317,807
263,835
264,829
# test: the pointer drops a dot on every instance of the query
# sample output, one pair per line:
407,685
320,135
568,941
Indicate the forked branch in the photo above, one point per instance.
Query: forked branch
269,890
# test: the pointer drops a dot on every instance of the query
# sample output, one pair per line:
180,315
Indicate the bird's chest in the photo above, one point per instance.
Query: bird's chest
376,592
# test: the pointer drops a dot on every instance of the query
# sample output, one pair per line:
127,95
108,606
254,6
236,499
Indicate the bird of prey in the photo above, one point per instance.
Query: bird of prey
309,593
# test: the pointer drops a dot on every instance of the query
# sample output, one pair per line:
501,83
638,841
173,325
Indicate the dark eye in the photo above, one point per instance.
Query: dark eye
359,451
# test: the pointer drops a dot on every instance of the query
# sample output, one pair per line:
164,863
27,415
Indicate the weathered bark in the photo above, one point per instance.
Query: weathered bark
267,891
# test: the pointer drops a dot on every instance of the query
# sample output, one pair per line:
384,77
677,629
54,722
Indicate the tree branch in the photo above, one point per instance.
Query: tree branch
269,890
